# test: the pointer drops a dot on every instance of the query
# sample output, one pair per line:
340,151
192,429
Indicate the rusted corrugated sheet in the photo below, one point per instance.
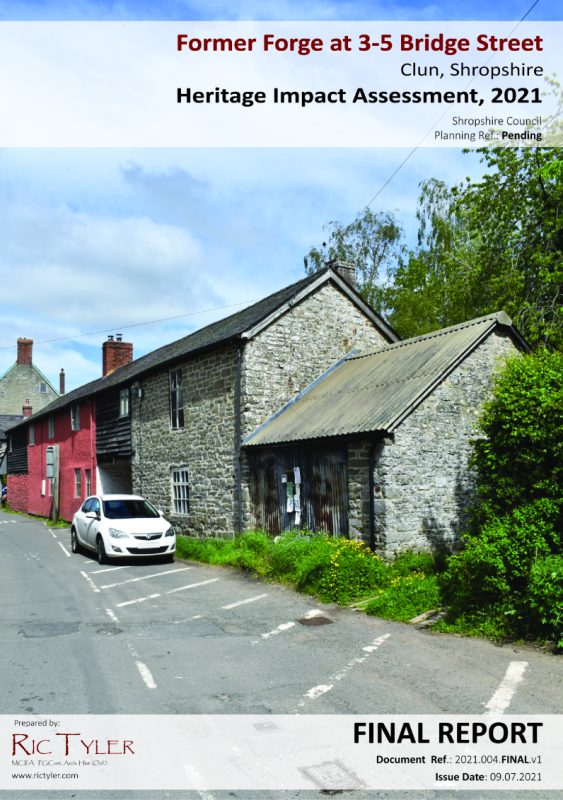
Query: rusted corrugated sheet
374,390
323,489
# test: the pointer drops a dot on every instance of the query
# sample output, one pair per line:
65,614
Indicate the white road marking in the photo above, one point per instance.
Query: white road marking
90,582
105,569
244,602
112,616
500,701
192,585
54,535
138,600
146,675
196,780
317,691
145,577
285,626
64,548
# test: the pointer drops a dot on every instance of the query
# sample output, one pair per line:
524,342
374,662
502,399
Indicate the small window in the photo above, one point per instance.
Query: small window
180,491
88,481
51,427
124,403
32,434
176,400
75,416
43,388
77,483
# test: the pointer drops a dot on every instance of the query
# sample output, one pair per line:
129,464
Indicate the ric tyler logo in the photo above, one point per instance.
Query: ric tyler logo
70,744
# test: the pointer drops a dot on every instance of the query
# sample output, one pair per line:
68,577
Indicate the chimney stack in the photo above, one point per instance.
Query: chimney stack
115,353
62,382
345,269
27,409
25,350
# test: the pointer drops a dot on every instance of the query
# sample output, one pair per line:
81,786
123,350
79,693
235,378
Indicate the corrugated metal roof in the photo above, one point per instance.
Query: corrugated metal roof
375,390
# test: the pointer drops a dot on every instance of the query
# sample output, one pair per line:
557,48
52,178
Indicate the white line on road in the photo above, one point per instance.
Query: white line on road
90,582
196,780
285,626
112,616
105,569
146,675
317,691
244,602
54,535
64,548
138,600
500,701
145,577
192,585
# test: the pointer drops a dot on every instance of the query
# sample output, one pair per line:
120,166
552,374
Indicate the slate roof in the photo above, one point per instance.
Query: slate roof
375,390
231,328
6,421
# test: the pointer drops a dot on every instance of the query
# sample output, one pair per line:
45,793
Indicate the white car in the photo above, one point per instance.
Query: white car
122,526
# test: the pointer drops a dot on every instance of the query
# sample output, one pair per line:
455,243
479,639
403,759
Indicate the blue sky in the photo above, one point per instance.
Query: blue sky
95,241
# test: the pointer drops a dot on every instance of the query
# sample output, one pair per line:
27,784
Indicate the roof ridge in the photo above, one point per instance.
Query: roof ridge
499,316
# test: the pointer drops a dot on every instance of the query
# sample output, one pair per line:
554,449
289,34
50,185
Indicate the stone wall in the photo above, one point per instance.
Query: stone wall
297,348
422,482
22,383
292,352
205,446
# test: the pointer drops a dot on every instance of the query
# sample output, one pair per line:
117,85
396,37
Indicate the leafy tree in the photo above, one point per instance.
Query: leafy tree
488,244
372,242
512,561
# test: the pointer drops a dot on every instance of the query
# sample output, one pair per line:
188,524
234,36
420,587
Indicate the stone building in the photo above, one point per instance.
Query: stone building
379,447
24,384
169,425
303,409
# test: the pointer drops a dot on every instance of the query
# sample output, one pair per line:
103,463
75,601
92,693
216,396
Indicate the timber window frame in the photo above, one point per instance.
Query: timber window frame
31,434
77,482
75,416
50,427
124,403
176,400
180,488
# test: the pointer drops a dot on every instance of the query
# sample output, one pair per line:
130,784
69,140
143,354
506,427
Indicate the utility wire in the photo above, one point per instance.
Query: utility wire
418,146
134,325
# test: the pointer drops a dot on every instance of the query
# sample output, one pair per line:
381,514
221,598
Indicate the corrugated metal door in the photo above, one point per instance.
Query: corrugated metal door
323,492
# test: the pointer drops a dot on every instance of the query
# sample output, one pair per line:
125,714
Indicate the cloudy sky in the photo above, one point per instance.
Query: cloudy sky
97,241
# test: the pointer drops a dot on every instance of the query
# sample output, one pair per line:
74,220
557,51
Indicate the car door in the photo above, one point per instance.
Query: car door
80,519
92,523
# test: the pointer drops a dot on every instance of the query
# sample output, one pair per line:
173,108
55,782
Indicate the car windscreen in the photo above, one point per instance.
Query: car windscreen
129,509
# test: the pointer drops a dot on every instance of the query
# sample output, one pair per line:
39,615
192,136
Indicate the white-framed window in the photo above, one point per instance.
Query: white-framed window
32,434
88,481
75,416
50,427
180,491
176,400
42,388
77,483
124,403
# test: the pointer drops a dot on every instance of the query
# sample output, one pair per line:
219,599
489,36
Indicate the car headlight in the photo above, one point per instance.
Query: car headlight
117,534
170,532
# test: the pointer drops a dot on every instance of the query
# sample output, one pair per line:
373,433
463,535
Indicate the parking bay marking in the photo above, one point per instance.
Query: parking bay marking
64,549
105,569
317,691
145,577
500,701
244,602
89,581
192,585
138,600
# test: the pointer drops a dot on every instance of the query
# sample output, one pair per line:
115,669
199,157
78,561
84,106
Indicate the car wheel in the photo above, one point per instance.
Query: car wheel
74,546
101,551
